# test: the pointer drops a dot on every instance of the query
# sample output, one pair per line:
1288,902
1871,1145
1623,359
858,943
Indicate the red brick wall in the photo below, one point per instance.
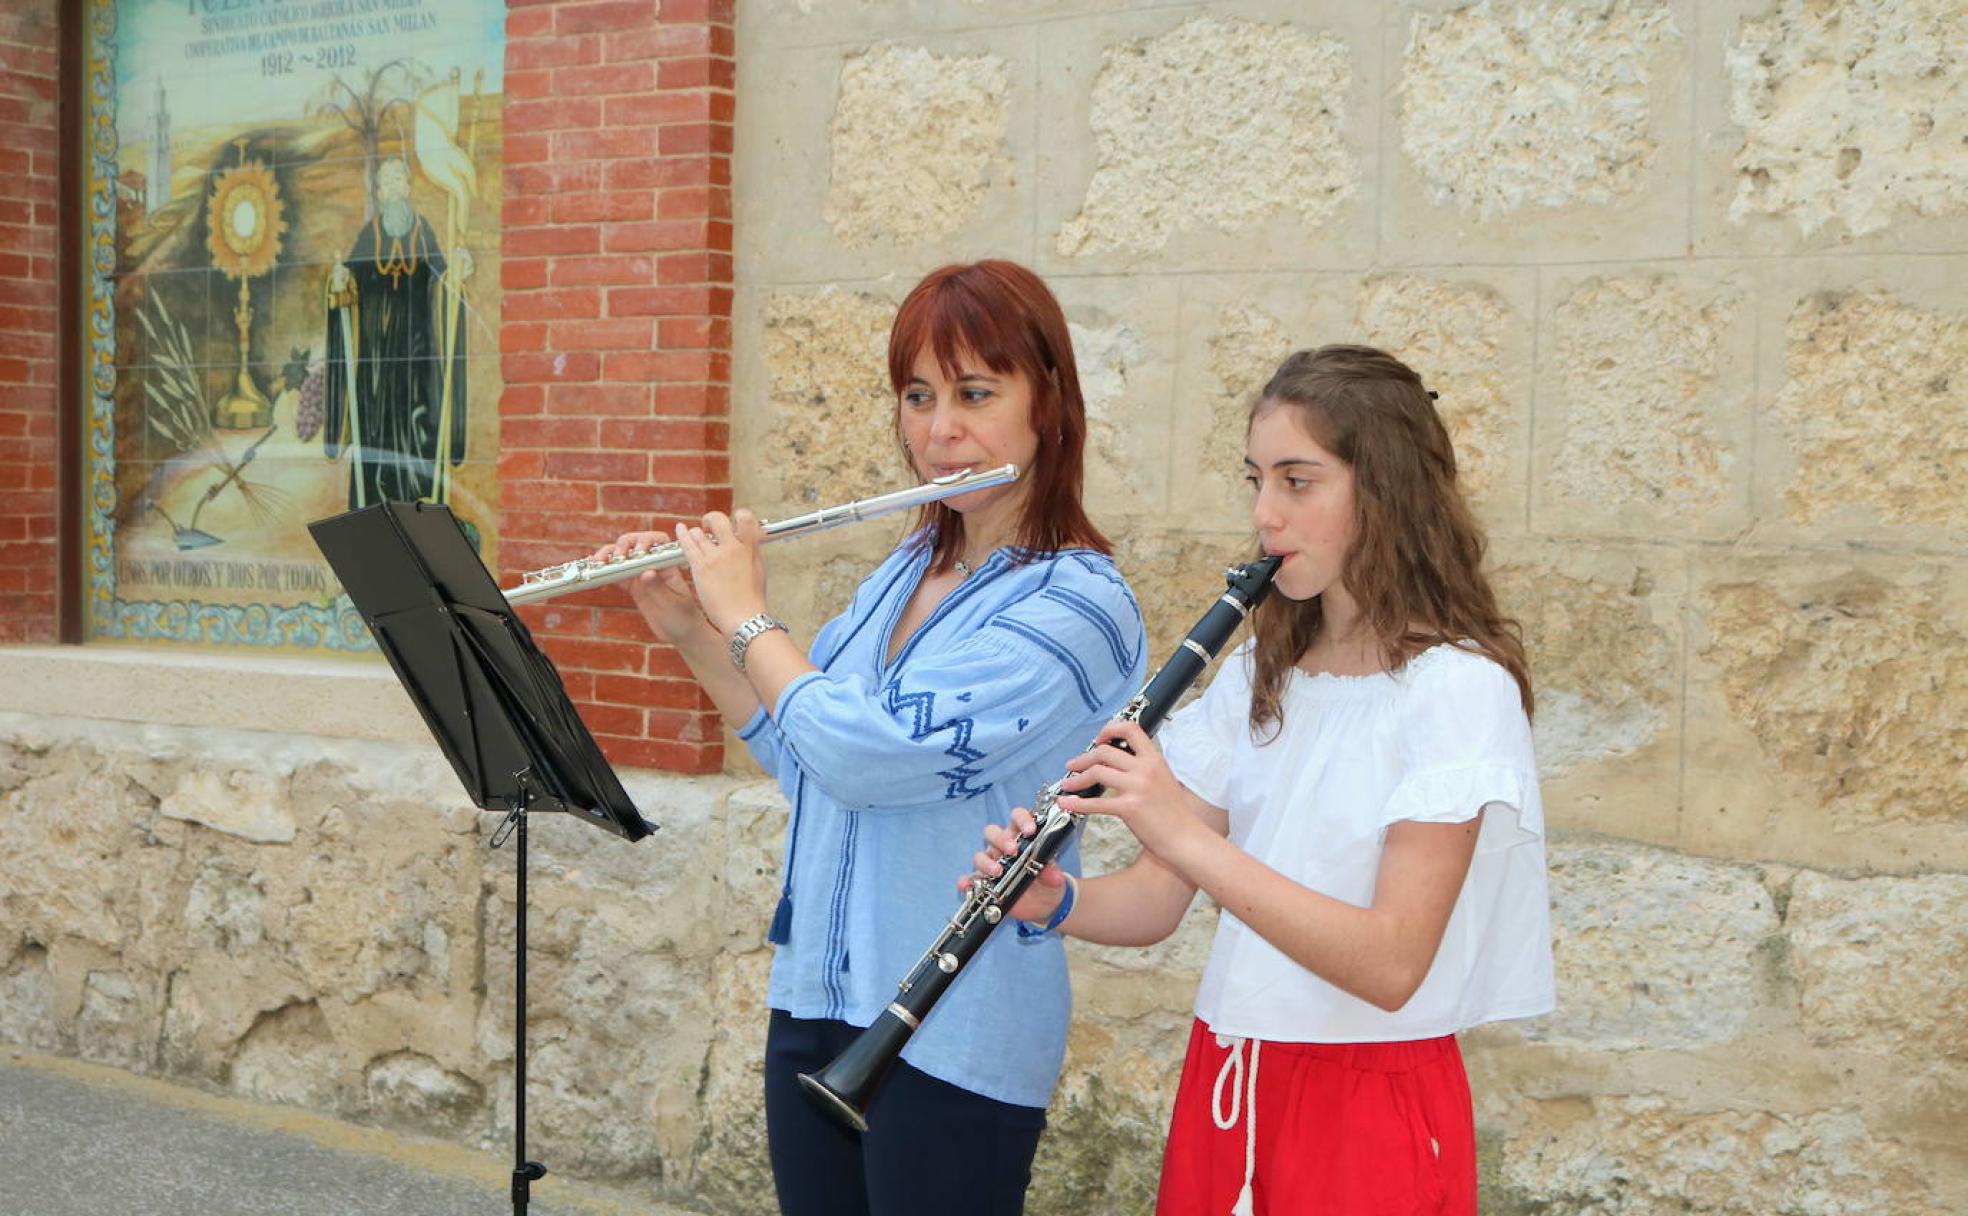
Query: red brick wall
616,330
28,291
615,334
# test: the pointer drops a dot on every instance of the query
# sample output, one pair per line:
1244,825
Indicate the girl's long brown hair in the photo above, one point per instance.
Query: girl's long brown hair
1005,315
1416,563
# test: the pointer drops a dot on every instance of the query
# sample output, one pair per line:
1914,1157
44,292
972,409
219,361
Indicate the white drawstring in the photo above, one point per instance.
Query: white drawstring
1233,1071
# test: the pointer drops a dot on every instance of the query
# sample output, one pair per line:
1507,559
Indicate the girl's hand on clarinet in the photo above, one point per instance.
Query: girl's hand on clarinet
727,567
1140,789
663,597
1040,898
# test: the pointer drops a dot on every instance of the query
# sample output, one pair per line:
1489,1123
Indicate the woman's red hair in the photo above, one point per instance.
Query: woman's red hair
1005,315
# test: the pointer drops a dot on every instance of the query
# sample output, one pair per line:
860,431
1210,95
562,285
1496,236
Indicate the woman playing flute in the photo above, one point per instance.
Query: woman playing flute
971,664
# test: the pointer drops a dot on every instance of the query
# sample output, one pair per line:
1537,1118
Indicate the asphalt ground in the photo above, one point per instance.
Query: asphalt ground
85,1140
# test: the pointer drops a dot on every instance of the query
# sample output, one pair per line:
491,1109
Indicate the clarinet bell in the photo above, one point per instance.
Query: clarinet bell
845,1087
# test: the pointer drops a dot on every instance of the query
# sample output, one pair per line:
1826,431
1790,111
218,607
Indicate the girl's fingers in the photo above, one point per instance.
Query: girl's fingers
1024,820
1096,774
1111,756
1100,753
1102,804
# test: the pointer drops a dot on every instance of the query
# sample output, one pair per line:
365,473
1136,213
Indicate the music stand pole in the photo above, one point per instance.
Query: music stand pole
525,1172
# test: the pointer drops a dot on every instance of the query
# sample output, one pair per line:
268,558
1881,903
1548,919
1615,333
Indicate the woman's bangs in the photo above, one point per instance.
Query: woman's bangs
957,317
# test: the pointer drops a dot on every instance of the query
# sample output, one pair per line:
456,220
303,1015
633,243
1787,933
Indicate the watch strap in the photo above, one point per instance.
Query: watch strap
748,632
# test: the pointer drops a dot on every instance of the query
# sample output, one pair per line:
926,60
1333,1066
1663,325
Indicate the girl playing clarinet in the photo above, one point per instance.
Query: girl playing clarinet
1357,792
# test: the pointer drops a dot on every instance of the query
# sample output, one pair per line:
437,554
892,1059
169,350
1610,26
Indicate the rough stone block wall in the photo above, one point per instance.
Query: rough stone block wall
28,368
1689,281
615,338
303,921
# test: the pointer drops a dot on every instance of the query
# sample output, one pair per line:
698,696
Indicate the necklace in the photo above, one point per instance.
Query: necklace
963,568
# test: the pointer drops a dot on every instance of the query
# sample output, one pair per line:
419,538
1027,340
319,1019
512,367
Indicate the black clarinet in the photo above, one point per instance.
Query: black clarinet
845,1087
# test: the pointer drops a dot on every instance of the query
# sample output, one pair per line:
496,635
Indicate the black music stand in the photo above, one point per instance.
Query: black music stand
493,701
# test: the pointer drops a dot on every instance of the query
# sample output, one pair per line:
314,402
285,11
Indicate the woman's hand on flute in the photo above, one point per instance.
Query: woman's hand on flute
662,596
1041,897
727,567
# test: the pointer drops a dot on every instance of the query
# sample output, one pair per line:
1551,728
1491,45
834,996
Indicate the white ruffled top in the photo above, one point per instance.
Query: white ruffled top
1441,741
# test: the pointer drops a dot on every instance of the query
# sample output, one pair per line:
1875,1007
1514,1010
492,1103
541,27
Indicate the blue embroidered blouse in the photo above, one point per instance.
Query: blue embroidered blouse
894,768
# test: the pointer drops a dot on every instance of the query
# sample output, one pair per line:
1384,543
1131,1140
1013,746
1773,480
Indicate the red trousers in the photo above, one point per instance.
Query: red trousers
1342,1129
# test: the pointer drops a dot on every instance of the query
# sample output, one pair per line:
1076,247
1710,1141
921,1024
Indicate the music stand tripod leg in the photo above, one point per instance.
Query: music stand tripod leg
525,1172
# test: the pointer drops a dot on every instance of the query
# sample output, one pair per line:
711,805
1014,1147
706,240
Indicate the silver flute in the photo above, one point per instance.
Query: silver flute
587,572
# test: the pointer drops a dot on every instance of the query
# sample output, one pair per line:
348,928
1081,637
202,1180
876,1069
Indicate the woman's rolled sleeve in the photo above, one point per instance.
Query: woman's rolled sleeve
761,734
941,726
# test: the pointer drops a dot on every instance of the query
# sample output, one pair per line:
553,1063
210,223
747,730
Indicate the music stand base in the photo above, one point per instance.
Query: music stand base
523,1179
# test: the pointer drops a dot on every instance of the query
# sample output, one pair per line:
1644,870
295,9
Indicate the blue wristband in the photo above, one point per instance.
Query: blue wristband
1059,914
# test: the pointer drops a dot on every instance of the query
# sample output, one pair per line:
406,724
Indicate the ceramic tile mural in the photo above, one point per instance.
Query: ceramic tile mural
293,299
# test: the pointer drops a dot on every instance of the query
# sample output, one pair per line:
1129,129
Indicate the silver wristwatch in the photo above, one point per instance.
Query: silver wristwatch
748,630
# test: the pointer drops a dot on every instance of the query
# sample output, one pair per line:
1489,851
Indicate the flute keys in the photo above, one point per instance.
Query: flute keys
947,963
993,914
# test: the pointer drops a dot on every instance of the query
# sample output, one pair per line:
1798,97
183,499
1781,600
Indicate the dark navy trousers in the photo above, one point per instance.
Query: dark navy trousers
930,1146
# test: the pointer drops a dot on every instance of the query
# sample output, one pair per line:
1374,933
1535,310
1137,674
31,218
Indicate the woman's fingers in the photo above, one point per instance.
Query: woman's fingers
691,538
670,582
626,544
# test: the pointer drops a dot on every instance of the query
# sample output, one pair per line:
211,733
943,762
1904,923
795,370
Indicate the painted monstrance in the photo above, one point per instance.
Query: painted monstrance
246,222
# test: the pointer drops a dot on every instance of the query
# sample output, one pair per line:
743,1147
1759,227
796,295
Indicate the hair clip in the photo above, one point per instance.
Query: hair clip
1432,394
